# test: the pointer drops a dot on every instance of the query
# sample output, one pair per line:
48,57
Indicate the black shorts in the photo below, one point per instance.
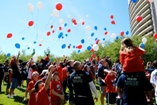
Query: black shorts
110,98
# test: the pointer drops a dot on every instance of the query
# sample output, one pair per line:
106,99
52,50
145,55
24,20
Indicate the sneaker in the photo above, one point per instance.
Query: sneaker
25,99
14,94
10,96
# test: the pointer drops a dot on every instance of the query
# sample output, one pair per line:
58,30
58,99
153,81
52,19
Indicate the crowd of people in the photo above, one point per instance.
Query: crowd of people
125,82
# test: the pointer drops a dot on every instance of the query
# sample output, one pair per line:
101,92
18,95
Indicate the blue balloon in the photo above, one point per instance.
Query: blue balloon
66,35
73,46
117,37
92,34
134,1
28,48
103,39
127,32
34,42
96,39
17,45
69,44
79,51
89,48
95,27
105,29
82,41
63,46
8,55
23,38
60,35
65,24
142,45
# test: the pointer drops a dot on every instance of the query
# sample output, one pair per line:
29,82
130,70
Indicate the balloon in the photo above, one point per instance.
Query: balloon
9,35
60,35
61,21
95,47
55,13
40,5
83,23
8,55
28,48
79,51
65,24
127,32
96,39
59,6
105,29
117,37
97,42
102,45
93,55
144,40
73,46
89,48
79,46
122,33
34,42
48,33
87,15
23,38
138,18
92,34
53,31
82,41
63,46
111,16
30,7
155,36
113,35
142,45
51,26
103,39
59,28
88,39
66,35
134,1
69,30
68,47
95,27
88,27
35,57
106,33
81,20
17,45
40,44
68,16
113,22
30,23
41,41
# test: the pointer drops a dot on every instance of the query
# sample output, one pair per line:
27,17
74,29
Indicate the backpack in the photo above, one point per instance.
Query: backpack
6,78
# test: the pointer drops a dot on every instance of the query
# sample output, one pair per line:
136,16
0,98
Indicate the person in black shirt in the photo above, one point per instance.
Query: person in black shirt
82,84
1,76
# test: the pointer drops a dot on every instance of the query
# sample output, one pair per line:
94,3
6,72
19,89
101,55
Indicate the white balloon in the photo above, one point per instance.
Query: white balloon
30,7
102,45
40,5
41,41
55,13
88,39
61,21
95,47
87,15
69,16
144,40
113,35
88,27
35,57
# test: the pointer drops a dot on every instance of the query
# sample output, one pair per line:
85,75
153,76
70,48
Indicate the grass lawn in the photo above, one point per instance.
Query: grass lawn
18,99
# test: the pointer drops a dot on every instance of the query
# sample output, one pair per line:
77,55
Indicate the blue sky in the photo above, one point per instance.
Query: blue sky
15,16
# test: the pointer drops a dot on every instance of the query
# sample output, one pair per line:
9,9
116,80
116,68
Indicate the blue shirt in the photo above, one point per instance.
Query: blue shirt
101,74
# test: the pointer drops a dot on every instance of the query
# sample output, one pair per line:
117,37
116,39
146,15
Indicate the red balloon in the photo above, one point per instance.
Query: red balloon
40,44
83,23
30,23
97,42
122,33
9,35
155,36
138,18
48,33
53,31
69,30
156,40
60,28
51,26
92,50
93,55
59,6
79,46
68,47
111,16
113,22
106,33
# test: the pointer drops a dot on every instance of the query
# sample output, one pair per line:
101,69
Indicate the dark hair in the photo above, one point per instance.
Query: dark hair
93,61
155,64
36,85
127,42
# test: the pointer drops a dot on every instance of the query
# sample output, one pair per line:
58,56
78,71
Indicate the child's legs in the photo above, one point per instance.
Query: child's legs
111,98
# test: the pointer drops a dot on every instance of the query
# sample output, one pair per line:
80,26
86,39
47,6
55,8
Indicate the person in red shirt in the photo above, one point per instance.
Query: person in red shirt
64,79
56,93
31,89
9,80
110,88
42,97
131,57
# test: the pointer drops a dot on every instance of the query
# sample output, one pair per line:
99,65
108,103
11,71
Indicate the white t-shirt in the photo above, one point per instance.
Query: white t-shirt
153,80
29,73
